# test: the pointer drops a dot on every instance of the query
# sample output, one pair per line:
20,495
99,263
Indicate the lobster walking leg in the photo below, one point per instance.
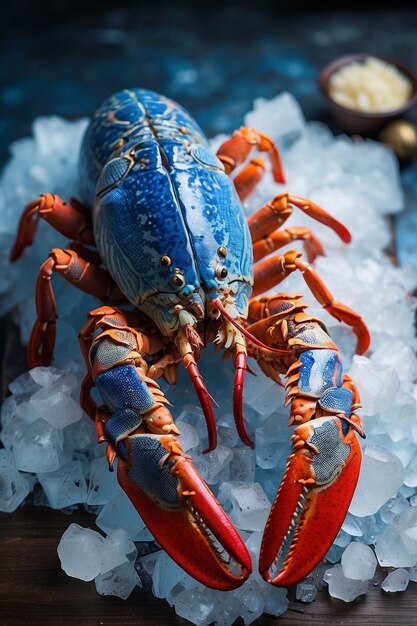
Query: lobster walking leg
271,216
72,221
236,150
273,270
323,468
86,276
160,480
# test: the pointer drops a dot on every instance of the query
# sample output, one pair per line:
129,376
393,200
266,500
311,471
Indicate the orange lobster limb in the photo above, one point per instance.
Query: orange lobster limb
312,500
236,150
271,216
273,270
71,221
85,275
281,238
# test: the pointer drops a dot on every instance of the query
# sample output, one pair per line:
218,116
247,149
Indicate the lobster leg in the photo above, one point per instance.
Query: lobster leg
236,150
72,221
323,468
281,238
85,275
273,270
271,216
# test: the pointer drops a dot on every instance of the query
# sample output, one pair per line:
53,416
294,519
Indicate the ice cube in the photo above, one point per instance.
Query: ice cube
377,384
277,602
242,465
253,595
64,486
55,404
272,443
344,588
118,549
211,464
119,512
81,552
38,448
119,581
23,384
358,561
195,605
45,376
14,487
166,574
393,507
380,477
396,546
103,484
396,581
306,592
250,507
189,438
280,117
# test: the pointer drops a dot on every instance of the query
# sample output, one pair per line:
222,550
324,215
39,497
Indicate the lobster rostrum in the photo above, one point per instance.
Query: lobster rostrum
161,227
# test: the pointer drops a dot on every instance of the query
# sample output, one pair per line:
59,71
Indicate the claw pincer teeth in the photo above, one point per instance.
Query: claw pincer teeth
181,512
312,500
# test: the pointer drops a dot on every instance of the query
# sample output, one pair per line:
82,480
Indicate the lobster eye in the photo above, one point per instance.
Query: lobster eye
165,261
221,272
178,280
222,251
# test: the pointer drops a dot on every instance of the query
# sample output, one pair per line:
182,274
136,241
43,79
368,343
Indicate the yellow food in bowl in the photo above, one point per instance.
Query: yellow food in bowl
370,86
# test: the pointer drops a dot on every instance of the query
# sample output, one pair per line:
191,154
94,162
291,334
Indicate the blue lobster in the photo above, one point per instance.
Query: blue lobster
161,238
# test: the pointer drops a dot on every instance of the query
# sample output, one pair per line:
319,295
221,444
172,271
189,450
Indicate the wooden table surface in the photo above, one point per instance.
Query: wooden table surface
34,589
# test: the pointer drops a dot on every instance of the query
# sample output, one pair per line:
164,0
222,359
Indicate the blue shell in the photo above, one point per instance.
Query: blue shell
158,190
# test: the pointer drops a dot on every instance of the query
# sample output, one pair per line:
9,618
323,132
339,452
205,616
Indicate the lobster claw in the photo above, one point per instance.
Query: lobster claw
312,500
181,512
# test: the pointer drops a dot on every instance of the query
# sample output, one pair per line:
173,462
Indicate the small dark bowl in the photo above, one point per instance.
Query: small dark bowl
352,121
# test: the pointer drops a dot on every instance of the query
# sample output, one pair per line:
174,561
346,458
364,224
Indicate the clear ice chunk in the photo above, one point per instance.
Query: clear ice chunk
211,464
250,507
189,438
279,117
396,581
45,376
277,602
65,486
195,605
119,512
272,443
166,574
119,581
38,448
344,588
242,465
380,478
377,384
55,404
81,552
14,487
23,384
118,549
103,483
358,561
396,546
306,592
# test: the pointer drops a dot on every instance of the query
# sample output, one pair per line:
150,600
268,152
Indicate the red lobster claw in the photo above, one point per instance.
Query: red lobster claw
312,500
182,513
